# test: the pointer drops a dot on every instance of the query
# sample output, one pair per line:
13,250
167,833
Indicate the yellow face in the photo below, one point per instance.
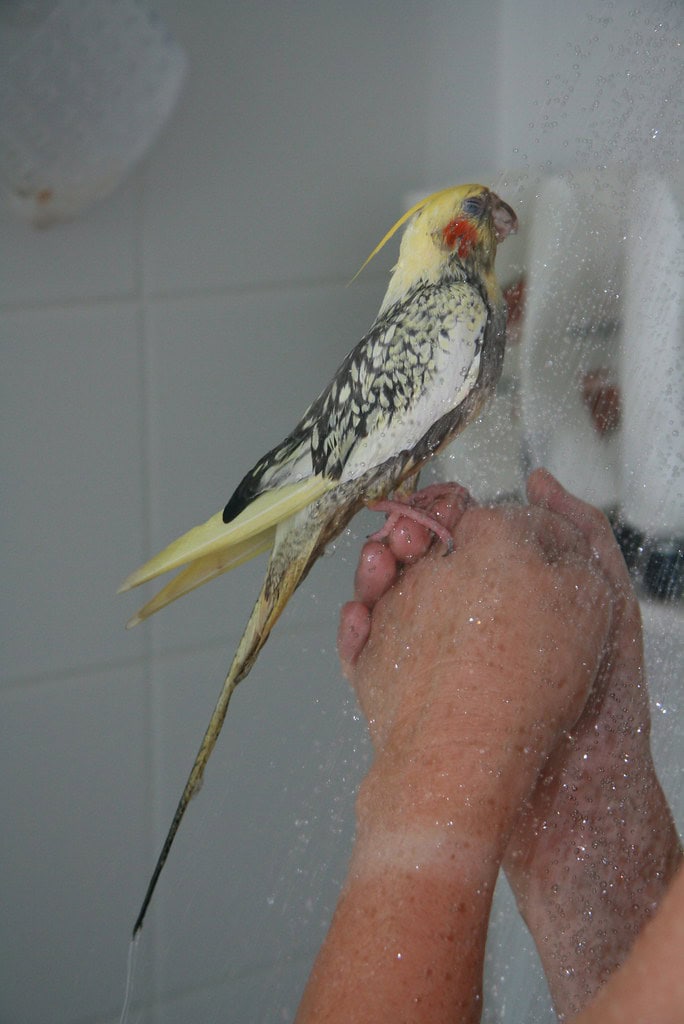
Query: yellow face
468,220
463,218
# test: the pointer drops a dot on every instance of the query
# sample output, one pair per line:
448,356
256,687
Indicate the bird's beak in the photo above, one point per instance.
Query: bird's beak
503,217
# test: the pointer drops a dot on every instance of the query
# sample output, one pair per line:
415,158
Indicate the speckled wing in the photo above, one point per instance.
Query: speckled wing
415,367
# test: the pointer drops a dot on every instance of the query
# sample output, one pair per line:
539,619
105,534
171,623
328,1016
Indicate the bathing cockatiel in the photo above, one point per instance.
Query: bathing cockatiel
423,371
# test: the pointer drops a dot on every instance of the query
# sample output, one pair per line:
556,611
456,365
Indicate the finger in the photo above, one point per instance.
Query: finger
409,541
446,503
543,489
448,507
559,539
352,634
375,573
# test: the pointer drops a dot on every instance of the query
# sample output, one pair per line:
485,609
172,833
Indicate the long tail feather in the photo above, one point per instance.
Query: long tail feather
202,570
288,564
264,512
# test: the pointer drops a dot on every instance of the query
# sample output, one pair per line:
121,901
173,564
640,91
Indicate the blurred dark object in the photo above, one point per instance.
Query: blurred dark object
657,567
664,574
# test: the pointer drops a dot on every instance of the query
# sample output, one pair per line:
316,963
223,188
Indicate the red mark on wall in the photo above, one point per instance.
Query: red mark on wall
460,232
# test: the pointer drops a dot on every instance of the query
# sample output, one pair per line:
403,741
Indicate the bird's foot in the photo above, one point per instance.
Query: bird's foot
418,508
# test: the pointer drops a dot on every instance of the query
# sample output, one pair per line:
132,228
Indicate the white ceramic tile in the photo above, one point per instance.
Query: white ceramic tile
463,103
230,377
136,1015
72,485
300,128
257,863
75,820
94,256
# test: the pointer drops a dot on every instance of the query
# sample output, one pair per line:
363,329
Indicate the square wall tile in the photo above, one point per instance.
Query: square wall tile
270,995
259,858
95,256
288,154
75,840
230,377
72,485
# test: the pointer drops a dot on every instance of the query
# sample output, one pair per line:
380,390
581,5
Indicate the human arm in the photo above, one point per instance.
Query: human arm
595,848
468,680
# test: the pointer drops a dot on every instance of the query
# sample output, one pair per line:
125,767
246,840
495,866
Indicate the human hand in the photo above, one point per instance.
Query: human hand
467,665
594,848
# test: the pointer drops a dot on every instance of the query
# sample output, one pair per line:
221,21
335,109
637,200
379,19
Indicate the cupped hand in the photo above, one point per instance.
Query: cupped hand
466,664
595,847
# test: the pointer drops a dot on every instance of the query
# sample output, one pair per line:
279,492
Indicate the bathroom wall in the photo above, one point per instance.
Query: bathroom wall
151,351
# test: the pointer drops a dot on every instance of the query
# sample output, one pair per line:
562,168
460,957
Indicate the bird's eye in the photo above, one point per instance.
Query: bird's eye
473,206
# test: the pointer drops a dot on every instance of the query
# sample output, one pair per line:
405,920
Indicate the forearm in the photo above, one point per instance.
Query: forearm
551,748
650,985
591,861
595,850
408,935
468,680
433,821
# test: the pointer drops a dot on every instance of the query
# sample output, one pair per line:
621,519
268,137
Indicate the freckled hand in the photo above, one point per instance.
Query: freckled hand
420,375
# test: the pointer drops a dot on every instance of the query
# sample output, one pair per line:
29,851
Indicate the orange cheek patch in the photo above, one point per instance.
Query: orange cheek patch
460,232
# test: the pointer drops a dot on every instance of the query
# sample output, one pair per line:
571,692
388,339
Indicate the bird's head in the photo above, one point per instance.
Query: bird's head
463,224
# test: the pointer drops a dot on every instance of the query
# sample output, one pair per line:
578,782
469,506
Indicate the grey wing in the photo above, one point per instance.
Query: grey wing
417,362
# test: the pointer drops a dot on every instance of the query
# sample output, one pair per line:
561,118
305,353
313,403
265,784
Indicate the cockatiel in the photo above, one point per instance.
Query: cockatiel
420,375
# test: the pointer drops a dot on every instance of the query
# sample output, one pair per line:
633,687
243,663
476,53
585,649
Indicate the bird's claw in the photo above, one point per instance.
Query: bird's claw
418,507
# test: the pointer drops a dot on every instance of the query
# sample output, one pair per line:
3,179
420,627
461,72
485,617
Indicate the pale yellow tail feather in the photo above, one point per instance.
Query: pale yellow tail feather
202,570
275,593
264,512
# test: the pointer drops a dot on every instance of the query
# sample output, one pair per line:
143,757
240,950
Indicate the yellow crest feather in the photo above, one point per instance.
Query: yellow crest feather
395,227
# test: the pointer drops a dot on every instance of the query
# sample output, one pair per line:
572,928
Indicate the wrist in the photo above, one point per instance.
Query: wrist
438,808
460,767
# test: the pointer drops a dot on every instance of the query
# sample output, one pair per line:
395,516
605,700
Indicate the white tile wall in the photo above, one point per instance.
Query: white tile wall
293,114
75,802
73,493
269,995
85,259
150,352
265,843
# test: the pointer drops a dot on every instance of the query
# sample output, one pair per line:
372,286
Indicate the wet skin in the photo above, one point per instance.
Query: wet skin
504,691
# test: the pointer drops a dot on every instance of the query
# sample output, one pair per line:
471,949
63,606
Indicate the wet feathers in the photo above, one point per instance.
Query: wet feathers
421,373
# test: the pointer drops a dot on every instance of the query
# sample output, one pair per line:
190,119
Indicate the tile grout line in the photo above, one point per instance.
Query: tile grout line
152,716
176,294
